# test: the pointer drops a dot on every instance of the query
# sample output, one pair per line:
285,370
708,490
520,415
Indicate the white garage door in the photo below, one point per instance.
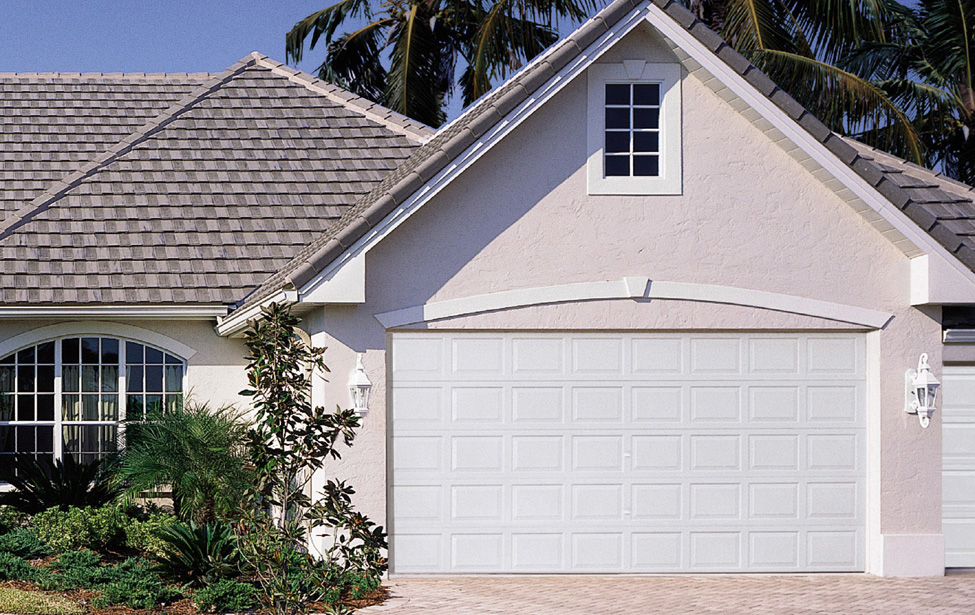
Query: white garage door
958,466
627,452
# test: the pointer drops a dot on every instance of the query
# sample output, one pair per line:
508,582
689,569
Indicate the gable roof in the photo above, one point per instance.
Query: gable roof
224,179
919,193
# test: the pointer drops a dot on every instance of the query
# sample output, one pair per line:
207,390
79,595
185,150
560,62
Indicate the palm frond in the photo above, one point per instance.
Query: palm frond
354,61
413,73
324,22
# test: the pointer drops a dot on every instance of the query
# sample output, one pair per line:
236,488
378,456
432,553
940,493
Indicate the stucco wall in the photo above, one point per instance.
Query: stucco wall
749,216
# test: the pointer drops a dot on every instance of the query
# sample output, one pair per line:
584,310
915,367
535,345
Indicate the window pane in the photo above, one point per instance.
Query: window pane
108,438
45,439
71,407
71,435
153,355
7,360
45,353
617,93
646,166
110,378
133,379
134,352
89,378
25,408
174,378
89,438
69,350
45,378
25,439
617,118
617,142
7,441
109,408
45,407
153,404
26,355
646,142
133,407
109,351
646,94
89,407
70,378
89,350
170,359
25,378
173,402
6,407
7,378
154,378
617,165
646,118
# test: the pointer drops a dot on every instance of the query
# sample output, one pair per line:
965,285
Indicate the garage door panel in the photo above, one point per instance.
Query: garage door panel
958,465
591,453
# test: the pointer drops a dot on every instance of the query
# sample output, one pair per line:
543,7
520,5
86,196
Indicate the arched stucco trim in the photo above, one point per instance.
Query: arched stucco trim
68,329
634,288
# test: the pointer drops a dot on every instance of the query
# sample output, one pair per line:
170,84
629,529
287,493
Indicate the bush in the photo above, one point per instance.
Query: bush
142,532
22,542
360,585
11,519
224,595
79,528
14,568
137,591
197,554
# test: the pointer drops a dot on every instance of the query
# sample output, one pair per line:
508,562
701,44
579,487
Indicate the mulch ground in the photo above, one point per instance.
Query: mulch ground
180,607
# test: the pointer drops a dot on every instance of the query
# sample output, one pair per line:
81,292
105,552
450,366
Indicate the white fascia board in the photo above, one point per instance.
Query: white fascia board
100,312
236,322
634,288
959,336
798,135
346,284
935,282
487,141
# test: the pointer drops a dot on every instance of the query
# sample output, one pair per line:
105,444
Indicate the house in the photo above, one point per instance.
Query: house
633,311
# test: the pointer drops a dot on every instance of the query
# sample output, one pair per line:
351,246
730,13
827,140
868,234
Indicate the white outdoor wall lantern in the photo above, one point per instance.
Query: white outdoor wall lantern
921,391
359,387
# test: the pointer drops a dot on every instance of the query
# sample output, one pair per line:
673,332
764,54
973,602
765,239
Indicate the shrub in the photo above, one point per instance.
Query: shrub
11,519
22,542
36,603
14,568
77,569
360,585
39,486
79,528
224,595
136,591
142,532
197,554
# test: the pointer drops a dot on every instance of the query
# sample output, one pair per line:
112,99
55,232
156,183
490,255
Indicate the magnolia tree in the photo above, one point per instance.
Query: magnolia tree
290,441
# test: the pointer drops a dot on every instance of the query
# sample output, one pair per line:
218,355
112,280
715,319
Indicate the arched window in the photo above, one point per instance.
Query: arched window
69,396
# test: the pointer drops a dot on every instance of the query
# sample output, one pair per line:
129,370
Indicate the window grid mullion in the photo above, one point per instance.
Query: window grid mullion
58,411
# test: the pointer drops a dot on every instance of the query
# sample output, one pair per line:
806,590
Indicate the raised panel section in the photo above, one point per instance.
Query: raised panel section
715,356
657,453
478,355
476,404
657,404
476,503
536,404
418,404
537,356
597,453
476,551
478,453
533,453
657,550
657,501
597,404
533,552
597,551
710,403
536,502
774,355
657,355
600,355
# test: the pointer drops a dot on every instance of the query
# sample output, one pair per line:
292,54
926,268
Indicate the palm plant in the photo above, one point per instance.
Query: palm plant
425,42
195,450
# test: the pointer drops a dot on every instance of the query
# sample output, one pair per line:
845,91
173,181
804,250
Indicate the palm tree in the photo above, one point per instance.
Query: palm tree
423,43
892,76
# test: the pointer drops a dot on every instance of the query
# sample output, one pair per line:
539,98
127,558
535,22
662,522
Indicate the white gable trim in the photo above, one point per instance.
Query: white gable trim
798,135
66,329
633,288
237,321
96,311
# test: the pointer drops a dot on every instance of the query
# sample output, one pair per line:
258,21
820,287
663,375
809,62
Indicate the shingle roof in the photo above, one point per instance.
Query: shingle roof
203,200
921,203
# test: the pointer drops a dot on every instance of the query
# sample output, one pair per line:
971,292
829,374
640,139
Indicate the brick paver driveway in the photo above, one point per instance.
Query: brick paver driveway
672,595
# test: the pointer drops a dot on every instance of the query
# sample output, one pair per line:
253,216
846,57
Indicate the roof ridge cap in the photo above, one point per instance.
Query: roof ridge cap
103,75
160,121
390,119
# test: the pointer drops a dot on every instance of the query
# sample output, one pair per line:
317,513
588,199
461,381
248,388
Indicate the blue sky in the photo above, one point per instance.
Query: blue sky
144,35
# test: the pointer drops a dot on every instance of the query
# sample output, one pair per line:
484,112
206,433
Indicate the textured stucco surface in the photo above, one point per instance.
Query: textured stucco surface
749,216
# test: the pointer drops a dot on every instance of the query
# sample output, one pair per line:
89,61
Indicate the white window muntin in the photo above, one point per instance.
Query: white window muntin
82,410
667,180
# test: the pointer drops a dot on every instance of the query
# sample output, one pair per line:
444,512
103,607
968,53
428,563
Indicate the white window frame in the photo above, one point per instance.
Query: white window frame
668,76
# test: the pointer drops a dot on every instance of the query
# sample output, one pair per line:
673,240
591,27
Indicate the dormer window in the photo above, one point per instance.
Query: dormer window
634,128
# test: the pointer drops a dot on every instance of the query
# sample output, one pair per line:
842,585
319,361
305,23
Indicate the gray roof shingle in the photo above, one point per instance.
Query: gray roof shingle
909,187
216,188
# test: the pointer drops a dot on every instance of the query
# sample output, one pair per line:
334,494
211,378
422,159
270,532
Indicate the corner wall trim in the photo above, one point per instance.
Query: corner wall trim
633,288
